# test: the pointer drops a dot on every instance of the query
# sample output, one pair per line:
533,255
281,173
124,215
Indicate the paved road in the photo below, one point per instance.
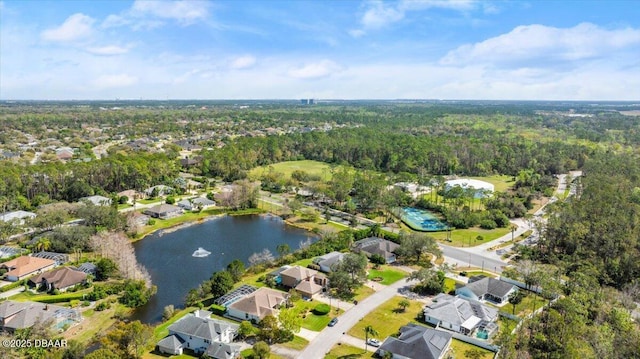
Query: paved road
465,257
327,338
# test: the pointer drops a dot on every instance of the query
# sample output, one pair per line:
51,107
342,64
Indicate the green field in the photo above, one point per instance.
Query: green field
388,275
286,168
459,349
387,319
501,183
346,351
467,237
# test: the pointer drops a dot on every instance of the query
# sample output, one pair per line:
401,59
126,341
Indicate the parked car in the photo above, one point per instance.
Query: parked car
333,322
373,342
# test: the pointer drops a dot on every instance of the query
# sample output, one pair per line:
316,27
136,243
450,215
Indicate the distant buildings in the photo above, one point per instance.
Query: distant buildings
24,266
17,216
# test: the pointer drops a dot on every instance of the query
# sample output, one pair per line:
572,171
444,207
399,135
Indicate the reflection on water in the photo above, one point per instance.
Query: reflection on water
169,257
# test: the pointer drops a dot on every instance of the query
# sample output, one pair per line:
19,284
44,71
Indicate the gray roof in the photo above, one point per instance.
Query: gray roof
163,208
219,350
17,215
97,200
417,342
20,315
172,342
375,245
456,310
88,268
492,286
329,259
206,328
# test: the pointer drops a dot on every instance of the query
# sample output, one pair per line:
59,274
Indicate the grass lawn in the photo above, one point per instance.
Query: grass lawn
162,330
467,237
298,343
478,272
346,351
527,305
388,275
459,348
286,168
67,296
94,323
386,319
363,292
501,183
248,353
312,321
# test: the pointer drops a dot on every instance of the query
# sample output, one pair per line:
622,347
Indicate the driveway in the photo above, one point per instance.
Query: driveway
327,338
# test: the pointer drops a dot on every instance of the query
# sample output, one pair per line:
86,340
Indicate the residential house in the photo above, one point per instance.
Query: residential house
97,200
163,211
195,203
159,191
17,216
374,245
257,305
202,334
489,289
60,279
306,281
417,342
328,261
459,314
132,195
21,315
24,266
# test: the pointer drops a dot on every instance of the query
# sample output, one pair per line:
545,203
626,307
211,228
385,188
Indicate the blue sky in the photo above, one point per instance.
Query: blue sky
429,49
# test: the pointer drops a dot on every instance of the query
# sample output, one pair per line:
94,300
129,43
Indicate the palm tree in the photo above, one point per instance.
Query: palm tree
368,331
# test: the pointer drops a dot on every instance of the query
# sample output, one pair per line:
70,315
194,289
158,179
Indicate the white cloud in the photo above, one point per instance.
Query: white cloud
315,70
186,12
109,50
531,43
75,27
380,14
243,62
111,81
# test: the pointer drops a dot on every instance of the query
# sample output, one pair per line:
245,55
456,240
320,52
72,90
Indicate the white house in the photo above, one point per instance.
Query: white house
202,334
489,289
327,261
458,314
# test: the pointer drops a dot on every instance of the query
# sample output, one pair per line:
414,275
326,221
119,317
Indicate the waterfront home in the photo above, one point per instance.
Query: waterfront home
163,211
257,305
21,315
59,279
202,334
196,203
328,261
306,281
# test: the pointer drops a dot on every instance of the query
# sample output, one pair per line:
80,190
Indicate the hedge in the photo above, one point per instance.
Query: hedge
12,285
322,309
67,297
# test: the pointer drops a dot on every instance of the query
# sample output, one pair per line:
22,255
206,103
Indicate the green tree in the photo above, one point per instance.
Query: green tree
128,340
403,304
105,268
369,331
236,269
515,298
283,249
245,329
102,353
430,281
416,245
221,283
269,329
261,350
290,320
353,264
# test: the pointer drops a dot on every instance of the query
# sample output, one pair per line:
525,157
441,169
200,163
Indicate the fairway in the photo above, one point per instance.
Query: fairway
286,168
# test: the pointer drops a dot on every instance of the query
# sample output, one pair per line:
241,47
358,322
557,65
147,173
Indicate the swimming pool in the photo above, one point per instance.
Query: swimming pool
421,220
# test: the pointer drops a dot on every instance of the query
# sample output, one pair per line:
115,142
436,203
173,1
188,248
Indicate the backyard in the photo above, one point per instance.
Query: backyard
386,274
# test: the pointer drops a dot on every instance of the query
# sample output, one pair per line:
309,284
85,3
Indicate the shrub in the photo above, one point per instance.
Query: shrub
102,306
377,259
322,309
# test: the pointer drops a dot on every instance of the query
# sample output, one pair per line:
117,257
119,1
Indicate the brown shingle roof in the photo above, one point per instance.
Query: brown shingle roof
61,277
299,273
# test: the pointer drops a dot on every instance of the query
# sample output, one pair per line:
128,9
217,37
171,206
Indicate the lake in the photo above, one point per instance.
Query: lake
174,270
